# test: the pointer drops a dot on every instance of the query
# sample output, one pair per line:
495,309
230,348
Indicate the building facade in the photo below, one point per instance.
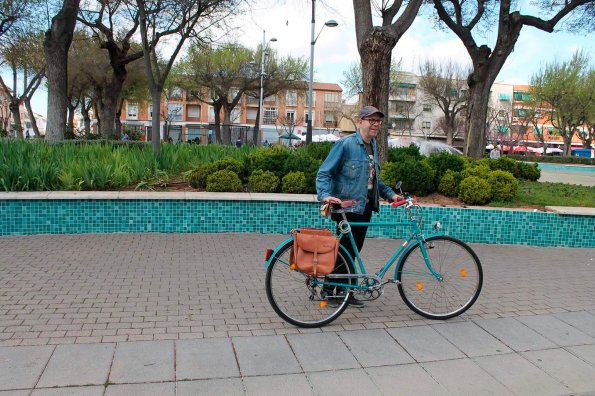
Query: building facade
190,120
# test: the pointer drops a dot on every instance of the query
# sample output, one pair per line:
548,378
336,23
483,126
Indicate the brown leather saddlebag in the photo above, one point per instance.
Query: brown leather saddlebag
314,250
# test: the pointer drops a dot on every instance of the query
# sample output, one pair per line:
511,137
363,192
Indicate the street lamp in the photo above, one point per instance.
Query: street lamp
260,98
329,23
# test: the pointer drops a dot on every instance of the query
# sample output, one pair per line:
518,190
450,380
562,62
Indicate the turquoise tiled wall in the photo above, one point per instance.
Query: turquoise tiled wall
18,217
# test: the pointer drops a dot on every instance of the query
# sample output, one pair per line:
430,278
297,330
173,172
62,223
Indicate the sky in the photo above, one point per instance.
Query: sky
289,21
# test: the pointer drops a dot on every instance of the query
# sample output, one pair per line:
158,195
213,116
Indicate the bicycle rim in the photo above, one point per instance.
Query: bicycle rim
298,301
456,289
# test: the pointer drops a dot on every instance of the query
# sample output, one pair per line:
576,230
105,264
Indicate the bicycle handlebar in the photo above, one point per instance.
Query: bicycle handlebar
396,204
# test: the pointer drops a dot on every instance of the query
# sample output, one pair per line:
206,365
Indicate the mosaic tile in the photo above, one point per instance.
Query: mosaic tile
71,216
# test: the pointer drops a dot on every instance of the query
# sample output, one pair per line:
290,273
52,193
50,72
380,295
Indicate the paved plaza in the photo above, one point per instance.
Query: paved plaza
187,314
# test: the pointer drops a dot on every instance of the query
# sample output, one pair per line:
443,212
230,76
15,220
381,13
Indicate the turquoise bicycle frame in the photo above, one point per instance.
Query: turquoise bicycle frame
410,243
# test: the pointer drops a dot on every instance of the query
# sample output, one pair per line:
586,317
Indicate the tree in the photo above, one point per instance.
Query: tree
20,55
56,44
280,74
375,45
180,19
16,18
106,19
444,84
224,74
466,17
564,87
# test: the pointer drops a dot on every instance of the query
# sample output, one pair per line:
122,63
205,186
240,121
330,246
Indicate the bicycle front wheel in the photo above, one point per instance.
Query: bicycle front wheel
454,286
300,299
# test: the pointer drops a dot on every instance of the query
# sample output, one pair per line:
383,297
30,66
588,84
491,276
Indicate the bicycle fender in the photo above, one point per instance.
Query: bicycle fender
412,246
290,240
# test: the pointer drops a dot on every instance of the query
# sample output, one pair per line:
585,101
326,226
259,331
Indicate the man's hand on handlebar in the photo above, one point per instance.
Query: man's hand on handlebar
338,202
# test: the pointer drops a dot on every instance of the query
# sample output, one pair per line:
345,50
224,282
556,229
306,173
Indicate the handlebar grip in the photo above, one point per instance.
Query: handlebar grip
396,204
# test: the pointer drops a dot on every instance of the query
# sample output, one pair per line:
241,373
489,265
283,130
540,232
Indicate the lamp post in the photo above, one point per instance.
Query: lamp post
329,23
257,136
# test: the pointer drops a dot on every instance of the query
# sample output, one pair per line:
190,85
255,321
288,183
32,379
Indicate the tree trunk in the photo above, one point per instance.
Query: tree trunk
226,133
56,44
17,124
156,119
375,53
475,135
34,126
107,115
86,118
70,119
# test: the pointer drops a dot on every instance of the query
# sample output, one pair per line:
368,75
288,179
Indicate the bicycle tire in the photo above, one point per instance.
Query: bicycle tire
291,298
456,291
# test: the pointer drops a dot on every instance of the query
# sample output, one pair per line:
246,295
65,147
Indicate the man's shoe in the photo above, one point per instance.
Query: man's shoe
357,303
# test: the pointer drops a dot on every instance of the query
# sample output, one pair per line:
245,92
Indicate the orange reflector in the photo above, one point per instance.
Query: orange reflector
463,273
292,267
267,255
323,304
419,286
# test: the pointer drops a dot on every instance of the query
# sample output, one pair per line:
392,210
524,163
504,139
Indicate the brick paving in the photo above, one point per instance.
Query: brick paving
94,288
187,314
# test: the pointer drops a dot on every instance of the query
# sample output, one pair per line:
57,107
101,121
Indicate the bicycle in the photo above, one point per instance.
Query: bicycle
438,276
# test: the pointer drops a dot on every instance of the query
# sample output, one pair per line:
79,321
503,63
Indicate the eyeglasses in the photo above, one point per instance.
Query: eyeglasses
374,121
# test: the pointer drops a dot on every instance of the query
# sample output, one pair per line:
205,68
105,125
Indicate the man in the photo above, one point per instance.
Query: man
351,172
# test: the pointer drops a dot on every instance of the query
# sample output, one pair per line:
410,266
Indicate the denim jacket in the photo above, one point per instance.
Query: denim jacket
344,174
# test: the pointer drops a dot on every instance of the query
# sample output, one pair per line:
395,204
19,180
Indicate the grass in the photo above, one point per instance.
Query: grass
550,194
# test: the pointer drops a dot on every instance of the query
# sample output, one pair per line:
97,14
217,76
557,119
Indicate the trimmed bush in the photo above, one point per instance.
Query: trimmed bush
474,190
224,181
318,150
482,170
449,183
232,164
529,171
302,162
263,181
443,161
294,183
417,176
197,177
399,153
268,159
504,185
506,164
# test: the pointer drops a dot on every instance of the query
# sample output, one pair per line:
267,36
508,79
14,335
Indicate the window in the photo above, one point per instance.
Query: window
150,111
504,96
132,111
427,107
313,99
426,125
522,96
291,98
270,116
290,117
272,98
194,111
174,111
176,92
236,115
329,117
331,97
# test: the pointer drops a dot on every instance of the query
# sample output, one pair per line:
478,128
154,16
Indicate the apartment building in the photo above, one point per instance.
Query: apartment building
189,119
512,118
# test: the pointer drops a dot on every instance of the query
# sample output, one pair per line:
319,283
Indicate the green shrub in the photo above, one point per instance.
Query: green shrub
506,164
449,183
263,181
268,159
482,170
197,177
529,171
474,190
318,150
443,161
417,176
399,153
302,162
232,164
504,185
224,181
294,183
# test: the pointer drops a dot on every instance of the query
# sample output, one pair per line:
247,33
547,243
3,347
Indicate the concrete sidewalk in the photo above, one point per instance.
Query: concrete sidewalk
187,314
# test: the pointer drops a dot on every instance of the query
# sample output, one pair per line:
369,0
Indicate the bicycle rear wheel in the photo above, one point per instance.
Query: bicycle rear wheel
457,286
299,299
